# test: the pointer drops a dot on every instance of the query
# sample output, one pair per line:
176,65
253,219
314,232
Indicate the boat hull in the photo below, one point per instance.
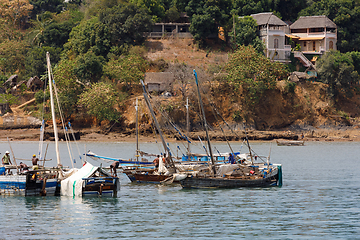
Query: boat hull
229,182
145,177
290,143
23,185
101,186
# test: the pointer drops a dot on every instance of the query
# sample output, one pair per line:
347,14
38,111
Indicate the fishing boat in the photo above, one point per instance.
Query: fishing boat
290,143
90,181
93,180
241,174
30,183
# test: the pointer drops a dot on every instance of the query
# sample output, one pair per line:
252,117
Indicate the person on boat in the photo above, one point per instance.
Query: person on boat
113,168
6,160
231,159
34,161
23,167
156,161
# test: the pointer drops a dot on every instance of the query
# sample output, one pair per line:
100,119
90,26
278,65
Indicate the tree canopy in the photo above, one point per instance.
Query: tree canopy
253,73
337,70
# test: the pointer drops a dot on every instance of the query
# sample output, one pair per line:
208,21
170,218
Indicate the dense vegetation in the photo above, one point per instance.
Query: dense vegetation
95,45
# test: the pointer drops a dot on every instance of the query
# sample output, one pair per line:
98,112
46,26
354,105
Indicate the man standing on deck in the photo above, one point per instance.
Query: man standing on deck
231,159
6,160
113,167
34,162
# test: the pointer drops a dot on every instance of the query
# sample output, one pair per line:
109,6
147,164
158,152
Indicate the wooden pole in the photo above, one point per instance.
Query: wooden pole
45,154
137,130
187,125
53,110
147,100
12,152
205,123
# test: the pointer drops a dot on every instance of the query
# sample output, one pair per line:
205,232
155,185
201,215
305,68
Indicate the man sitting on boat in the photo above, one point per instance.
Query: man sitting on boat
113,168
6,160
34,161
23,167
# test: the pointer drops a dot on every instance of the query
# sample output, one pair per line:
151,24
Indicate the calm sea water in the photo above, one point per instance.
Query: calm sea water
319,199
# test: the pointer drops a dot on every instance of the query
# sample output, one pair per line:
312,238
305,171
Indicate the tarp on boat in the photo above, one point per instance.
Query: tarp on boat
72,186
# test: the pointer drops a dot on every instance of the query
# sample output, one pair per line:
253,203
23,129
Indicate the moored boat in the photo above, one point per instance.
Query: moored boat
240,174
40,182
90,181
290,143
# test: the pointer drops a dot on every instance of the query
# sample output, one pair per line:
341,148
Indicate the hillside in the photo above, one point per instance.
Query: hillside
308,109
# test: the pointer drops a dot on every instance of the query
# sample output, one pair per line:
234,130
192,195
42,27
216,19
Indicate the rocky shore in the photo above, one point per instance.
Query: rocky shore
94,134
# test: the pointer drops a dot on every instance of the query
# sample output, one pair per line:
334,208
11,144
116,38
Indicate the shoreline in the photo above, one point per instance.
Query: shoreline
96,135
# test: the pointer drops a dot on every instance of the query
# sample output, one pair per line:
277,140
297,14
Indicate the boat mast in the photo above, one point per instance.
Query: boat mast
248,144
205,123
137,130
53,110
147,100
187,124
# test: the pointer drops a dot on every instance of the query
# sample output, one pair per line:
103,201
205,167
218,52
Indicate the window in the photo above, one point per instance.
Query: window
331,45
276,43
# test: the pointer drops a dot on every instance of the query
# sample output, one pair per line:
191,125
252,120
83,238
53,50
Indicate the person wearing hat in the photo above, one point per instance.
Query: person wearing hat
6,160
34,161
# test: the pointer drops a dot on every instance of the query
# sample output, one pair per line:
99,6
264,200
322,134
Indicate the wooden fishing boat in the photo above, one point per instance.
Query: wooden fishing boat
247,177
244,174
145,176
290,143
40,182
90,181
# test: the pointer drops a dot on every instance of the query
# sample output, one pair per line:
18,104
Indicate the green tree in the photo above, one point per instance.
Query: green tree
69,88
89,35
155,8
100,101
207,15
41,6
126,69
35,61
247,34
253,73
337,70
89,67
172,14
12,56
126,24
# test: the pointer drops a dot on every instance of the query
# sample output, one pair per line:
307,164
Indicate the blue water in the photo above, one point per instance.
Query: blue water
319,199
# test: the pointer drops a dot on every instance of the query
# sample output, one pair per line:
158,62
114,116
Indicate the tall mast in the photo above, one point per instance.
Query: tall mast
53,110
157,124
205,123
187,124
137,130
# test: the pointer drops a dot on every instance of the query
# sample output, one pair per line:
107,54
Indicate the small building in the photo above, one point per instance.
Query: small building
272,32
158,81
180,30
315,34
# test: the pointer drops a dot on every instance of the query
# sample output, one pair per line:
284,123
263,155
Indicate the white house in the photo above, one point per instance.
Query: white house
272,32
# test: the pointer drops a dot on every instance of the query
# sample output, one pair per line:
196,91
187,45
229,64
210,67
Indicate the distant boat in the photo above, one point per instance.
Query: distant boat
290,143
